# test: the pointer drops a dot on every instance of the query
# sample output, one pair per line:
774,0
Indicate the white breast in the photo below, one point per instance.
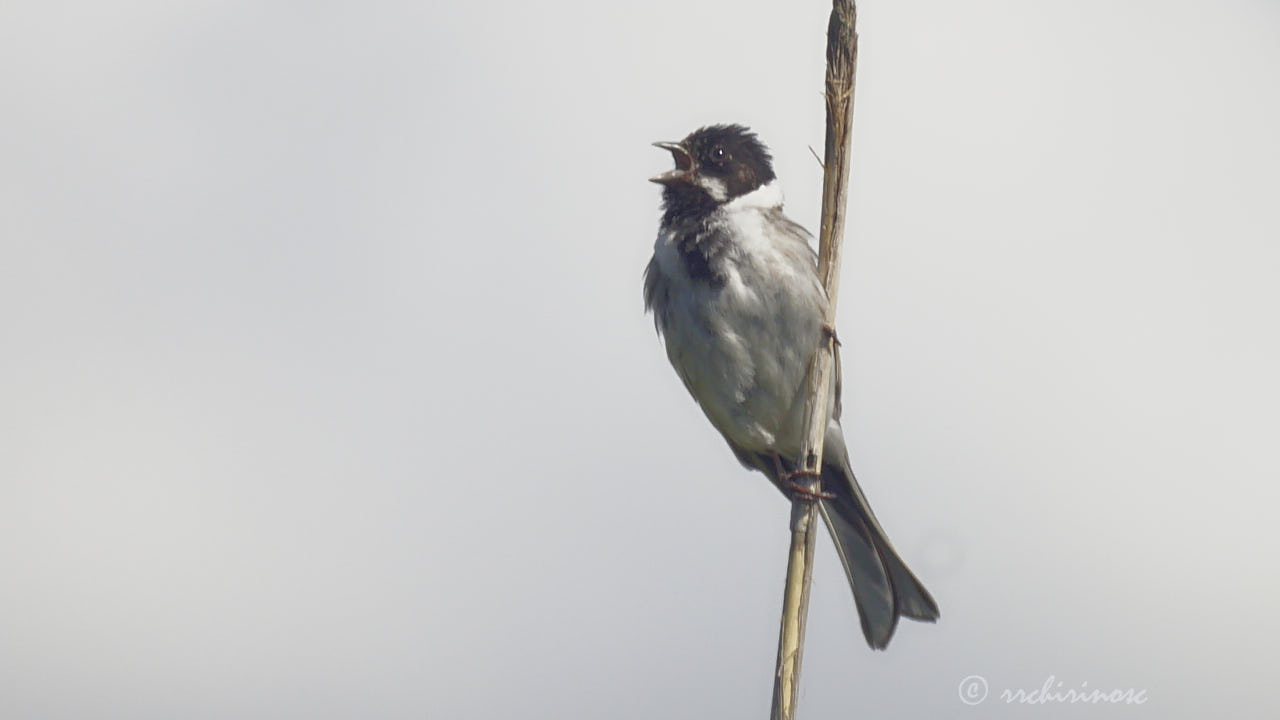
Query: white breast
743,348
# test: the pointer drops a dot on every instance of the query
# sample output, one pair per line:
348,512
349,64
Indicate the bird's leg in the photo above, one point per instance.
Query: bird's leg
787,481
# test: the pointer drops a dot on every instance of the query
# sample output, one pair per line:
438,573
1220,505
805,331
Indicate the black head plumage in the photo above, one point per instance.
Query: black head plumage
714,165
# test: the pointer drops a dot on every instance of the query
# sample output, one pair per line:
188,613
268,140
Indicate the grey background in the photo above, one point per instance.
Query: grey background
325,390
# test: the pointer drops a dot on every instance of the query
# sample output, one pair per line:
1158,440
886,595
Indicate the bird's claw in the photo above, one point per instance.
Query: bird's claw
805,491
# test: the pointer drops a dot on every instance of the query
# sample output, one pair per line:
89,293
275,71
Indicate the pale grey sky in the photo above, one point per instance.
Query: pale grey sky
325,390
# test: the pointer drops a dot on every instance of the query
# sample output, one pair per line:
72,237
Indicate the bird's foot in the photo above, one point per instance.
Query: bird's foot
803,490
787,481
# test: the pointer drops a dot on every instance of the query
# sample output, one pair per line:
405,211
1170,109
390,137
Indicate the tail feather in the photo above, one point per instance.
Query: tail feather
883,587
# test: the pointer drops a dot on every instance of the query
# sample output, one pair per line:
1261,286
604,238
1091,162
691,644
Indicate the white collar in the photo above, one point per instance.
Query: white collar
765,197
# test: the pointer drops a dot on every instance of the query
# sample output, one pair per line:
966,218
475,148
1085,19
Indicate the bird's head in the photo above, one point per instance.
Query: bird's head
714,165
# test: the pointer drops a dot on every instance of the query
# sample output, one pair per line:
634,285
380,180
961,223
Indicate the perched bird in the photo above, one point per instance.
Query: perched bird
734,291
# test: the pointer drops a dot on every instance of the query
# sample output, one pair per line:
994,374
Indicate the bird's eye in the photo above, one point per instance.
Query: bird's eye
718,154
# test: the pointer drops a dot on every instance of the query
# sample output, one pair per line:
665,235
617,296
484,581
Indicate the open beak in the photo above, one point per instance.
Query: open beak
683,171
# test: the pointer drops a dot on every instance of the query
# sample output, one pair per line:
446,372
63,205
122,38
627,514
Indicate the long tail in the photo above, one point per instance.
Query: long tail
883,587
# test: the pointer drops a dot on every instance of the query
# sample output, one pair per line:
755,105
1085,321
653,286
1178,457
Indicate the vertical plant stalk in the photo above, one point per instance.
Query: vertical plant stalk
842,64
